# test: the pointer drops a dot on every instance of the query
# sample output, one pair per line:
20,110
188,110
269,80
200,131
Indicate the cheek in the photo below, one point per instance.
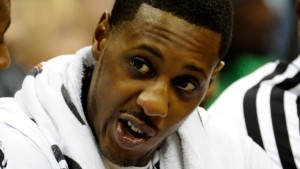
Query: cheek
114,90
169,127
112,93
176,117
203,92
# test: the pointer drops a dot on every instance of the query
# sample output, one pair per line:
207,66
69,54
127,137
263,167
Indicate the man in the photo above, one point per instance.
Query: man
131,99
4,24
265,105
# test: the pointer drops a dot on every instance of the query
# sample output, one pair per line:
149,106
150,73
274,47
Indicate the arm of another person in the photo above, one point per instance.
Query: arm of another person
232,147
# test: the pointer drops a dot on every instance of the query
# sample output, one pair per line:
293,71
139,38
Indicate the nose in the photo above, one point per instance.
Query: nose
155,100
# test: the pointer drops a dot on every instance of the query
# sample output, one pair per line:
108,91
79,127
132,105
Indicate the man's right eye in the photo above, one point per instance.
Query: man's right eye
141,65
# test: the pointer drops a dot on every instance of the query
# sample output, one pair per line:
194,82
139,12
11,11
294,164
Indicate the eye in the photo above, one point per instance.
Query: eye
141,65
186,84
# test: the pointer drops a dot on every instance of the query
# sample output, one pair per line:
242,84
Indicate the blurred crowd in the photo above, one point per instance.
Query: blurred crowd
263,31
40,30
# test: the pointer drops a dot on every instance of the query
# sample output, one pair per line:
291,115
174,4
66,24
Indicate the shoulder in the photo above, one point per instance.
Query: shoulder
239,87
67,61
235,92
230,102
19,151
22,144
230,144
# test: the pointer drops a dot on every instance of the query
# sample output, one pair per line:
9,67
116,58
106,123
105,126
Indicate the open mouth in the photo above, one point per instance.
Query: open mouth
135,131
131,132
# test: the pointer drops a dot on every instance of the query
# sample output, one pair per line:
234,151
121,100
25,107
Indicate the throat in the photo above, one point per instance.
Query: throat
110,165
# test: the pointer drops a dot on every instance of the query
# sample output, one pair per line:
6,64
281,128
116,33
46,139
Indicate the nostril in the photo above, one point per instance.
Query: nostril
155,100
158,113
153,107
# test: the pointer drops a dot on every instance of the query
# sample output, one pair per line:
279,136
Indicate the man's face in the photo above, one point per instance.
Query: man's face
151,73
4,23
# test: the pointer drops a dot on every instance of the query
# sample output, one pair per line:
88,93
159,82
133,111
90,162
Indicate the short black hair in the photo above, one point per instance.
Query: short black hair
216,15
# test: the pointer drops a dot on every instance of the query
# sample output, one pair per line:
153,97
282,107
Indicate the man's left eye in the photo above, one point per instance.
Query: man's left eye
141,65
187,86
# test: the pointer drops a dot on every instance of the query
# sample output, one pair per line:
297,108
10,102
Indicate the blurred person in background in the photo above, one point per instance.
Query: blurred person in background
264,30
62,27
266,105
10,78
4,24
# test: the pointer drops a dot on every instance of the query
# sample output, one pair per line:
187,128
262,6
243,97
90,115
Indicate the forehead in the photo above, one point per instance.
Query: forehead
171,31
154,16
149,14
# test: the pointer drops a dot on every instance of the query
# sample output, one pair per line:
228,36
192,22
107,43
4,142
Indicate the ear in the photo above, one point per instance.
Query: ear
101,34
216,71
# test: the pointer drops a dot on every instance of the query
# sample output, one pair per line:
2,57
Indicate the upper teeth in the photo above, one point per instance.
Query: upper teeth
134,128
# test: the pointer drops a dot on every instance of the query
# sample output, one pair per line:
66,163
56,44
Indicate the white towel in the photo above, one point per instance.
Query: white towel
49,112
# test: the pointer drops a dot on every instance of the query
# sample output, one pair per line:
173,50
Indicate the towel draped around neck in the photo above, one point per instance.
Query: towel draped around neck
48,110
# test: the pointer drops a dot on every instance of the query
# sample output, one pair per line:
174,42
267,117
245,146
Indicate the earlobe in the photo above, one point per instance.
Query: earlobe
101,34
216,71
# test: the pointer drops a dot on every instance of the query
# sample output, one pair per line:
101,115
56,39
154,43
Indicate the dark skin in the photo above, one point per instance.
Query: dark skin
150,74
4,24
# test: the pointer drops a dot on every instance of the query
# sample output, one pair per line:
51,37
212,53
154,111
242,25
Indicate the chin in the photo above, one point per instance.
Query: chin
126,161
121,162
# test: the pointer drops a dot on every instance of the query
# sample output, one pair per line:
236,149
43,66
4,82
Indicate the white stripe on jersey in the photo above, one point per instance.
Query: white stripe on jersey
265,122
290,107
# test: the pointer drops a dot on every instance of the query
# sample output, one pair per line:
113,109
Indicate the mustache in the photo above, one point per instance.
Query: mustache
141,115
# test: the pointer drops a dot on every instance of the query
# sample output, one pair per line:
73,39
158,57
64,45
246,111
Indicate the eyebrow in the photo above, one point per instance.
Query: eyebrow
195,69
157,53
152,50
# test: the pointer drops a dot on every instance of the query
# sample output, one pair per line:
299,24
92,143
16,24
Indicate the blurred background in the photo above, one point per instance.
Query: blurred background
42,29
264,30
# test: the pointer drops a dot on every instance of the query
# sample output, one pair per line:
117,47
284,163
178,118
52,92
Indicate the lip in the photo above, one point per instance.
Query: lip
129,139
